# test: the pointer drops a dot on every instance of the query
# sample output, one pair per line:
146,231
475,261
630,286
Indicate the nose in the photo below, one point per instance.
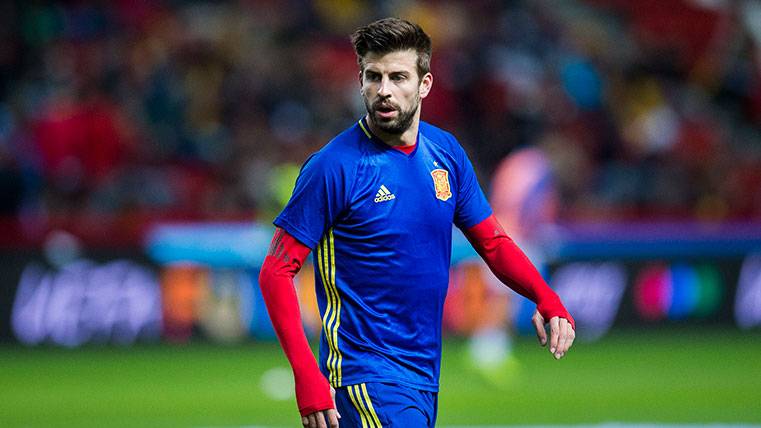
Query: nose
384,90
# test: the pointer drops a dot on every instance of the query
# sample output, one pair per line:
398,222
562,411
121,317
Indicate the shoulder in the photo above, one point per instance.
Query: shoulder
442,140
440,137
342,153
338,159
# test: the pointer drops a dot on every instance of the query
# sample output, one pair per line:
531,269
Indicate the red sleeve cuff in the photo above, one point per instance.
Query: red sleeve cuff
324,405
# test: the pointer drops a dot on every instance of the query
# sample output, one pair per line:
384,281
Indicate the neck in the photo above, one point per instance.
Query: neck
407,138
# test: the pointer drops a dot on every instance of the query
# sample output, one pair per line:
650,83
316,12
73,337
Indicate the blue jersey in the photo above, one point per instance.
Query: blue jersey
379,222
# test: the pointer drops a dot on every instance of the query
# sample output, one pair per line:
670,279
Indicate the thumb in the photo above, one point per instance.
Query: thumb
333,396
541,334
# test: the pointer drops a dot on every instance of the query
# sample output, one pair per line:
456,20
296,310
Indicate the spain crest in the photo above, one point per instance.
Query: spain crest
441,184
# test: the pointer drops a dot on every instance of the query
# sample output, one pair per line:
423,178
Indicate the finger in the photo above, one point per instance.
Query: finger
321,420
554,333
333,396
332,418
312,421
305,421
539,326
562,337
571,337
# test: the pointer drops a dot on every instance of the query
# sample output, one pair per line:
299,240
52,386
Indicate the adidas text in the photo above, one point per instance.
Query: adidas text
384,198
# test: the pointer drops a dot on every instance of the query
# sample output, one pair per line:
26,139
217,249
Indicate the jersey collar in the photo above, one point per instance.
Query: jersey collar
372,137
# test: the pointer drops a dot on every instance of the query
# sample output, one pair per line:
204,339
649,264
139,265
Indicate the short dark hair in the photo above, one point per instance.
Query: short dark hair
393,34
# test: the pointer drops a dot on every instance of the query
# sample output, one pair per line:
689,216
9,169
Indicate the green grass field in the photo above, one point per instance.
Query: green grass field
672,376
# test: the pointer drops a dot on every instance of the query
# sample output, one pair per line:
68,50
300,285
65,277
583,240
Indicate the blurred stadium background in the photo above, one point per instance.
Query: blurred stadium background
145,147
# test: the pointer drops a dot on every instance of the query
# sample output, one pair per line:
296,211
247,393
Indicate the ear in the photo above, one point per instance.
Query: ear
425,85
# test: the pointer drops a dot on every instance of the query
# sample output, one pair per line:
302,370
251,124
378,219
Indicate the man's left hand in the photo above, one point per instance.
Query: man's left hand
561,334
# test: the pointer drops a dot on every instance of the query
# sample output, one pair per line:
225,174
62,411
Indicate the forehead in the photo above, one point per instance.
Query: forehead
395,61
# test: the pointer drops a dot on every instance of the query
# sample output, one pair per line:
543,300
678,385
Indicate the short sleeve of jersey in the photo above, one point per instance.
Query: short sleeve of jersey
318,198
472,206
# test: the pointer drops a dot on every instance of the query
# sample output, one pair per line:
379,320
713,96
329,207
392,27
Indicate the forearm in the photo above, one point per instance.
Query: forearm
282,305
276,282
511,266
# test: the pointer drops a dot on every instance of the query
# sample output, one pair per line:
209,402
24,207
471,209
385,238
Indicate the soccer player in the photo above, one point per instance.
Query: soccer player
376,207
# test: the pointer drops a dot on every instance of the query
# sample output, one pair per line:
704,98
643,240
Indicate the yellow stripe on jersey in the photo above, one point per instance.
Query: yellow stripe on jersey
338,309
361,125
370,406
328,308
332,317
333,358
360,409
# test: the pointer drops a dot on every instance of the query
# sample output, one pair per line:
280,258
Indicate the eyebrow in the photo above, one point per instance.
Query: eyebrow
391,73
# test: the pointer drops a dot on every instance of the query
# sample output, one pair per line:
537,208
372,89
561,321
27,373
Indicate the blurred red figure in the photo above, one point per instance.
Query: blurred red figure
80,143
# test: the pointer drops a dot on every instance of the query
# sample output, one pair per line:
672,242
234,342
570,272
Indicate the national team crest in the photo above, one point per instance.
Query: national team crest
441,184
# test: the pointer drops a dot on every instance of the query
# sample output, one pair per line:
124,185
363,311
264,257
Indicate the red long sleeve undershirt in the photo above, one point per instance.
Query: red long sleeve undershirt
284,260
286,256
511,266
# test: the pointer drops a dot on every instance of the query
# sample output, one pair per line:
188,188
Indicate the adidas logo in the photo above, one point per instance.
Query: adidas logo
383,195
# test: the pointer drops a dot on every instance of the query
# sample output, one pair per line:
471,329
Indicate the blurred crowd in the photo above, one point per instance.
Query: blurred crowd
205,110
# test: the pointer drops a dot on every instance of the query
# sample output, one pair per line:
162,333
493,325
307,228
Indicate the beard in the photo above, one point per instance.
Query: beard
397,125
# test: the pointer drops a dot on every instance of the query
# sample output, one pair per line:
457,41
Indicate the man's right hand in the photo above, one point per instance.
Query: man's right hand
323,418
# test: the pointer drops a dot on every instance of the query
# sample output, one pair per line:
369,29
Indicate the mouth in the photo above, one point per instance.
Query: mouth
385,111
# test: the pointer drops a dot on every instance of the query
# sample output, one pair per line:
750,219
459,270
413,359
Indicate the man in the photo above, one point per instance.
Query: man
376,205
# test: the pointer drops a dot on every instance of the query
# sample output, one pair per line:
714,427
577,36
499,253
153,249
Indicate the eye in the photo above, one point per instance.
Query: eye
398,77
372,76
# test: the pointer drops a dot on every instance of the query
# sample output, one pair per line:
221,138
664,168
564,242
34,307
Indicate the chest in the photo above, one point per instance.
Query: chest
418,192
